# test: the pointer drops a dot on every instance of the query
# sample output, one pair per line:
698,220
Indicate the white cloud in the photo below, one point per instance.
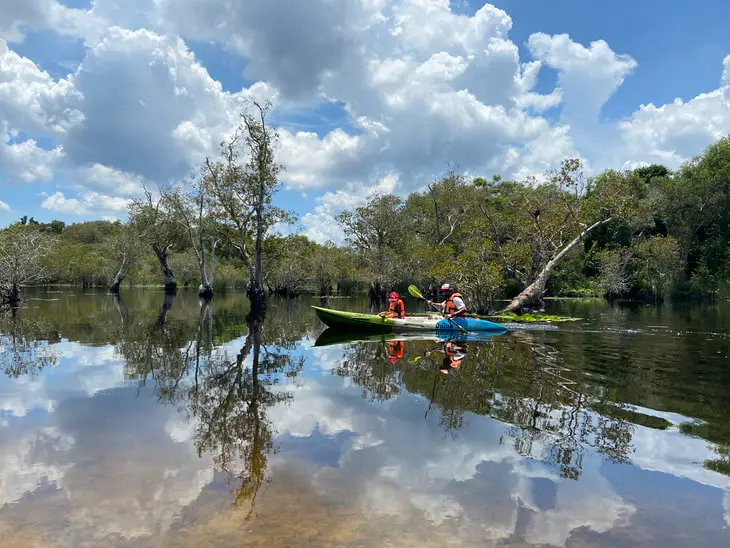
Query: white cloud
4,206
110,181
321,226
88,203
672,133
149,107
16,16
24,161
424,88
30,100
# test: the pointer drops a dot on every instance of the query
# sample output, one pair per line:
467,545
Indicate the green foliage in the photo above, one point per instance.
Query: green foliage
532,317
655,233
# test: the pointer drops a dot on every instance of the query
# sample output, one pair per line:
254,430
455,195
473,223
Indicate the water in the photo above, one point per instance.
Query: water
143,422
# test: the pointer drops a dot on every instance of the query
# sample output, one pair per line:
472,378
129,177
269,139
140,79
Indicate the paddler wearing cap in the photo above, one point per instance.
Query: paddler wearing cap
453,306
397,308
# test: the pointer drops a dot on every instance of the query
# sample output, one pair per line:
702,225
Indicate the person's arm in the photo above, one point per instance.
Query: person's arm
440,305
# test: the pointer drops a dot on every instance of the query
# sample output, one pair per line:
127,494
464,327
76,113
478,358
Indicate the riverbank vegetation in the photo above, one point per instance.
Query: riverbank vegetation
645,234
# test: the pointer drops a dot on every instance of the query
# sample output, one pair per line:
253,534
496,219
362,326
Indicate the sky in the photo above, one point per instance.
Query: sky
98,98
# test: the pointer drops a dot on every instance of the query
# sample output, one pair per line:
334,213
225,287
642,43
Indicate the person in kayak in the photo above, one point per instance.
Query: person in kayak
453,306
397,308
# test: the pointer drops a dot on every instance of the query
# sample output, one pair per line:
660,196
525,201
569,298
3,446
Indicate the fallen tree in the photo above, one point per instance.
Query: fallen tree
534,292
534,227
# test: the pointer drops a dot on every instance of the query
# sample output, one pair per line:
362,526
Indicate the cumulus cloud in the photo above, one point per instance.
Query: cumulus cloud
17,16
321,226
24,161
89,203
149,107
673,133
423,87
30,100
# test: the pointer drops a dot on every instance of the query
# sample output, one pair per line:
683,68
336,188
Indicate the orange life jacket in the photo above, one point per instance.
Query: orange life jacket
450,350
396,348
450,307
397,309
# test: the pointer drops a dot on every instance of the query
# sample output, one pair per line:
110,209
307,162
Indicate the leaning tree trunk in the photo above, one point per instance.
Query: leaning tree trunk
534,292
119,278
168,276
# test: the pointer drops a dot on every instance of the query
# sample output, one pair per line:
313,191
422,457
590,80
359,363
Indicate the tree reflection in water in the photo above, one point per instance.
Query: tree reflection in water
554,405
24,350
226,396
551,412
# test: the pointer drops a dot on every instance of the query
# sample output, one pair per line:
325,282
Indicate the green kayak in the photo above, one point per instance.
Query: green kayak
357,321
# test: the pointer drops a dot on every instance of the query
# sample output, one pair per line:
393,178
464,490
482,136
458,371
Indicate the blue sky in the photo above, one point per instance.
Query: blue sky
678,45
679,51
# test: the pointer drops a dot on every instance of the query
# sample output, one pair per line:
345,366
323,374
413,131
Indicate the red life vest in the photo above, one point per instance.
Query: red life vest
450,307
397,309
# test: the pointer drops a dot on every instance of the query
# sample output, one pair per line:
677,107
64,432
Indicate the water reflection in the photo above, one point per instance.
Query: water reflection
225,393
127,420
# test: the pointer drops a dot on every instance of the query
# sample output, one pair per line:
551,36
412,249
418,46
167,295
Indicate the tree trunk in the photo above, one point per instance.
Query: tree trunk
10,294
205,290
258,299
119,278
256,284
534,292
168,276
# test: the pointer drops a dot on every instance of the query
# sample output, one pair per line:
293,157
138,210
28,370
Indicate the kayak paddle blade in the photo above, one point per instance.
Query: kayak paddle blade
413,290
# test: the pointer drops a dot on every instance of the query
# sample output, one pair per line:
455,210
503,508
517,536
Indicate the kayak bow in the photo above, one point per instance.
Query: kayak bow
340,319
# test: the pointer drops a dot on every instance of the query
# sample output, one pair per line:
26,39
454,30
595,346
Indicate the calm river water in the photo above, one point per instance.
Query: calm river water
149,421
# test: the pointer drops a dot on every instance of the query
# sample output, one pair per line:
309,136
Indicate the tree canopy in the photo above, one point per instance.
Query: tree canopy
648,234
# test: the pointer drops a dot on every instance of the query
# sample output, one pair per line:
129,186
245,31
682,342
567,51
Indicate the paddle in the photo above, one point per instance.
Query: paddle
413,290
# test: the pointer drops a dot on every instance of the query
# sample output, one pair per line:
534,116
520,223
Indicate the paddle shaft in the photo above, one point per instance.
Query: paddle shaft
418,294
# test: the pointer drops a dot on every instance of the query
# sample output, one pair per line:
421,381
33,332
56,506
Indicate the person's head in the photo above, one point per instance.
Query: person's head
393,297
447,289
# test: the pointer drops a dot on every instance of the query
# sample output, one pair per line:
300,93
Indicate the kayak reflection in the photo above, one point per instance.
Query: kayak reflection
453,346
331,337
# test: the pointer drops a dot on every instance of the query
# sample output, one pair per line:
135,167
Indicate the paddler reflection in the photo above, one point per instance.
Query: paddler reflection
395,351
454,352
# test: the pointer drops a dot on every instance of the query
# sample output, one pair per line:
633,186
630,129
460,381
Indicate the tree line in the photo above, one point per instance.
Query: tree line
644,234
